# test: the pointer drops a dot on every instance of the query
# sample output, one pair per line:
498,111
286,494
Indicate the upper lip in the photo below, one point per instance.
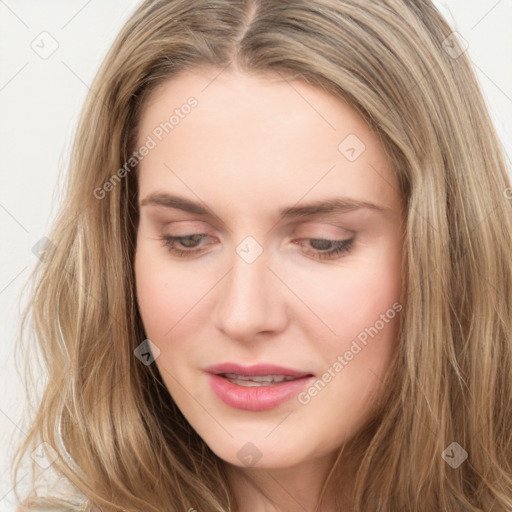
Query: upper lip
255,370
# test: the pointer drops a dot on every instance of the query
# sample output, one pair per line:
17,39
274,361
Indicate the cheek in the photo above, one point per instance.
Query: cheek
357,357
351,297
172,299
372,338
159,304
360,306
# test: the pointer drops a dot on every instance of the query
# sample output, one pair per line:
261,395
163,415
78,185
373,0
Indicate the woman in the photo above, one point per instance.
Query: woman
282,276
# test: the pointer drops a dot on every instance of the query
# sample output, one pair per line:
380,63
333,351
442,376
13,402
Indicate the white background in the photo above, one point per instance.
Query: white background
40,100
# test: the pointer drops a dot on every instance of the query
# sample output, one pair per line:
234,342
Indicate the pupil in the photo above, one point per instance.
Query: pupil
320,244
193,238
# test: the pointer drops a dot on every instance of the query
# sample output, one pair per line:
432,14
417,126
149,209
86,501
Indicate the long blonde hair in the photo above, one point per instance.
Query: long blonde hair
122,443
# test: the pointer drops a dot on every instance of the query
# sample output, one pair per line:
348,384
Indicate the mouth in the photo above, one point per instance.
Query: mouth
264,373
256,387
255,380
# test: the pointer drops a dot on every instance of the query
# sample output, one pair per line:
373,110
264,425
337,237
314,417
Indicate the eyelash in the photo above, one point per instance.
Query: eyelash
341,246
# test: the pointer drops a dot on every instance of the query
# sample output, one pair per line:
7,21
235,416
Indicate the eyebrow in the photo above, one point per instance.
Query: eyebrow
311,209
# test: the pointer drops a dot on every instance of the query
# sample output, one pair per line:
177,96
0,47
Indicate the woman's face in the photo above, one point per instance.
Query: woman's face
286,251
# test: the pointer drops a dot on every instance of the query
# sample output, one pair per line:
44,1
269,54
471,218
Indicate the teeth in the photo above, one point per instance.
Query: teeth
259,380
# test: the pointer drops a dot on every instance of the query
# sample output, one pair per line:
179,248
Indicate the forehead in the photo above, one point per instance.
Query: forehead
262,135
227,99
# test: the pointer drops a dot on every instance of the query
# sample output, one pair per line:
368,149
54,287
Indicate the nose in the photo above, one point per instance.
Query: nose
251,300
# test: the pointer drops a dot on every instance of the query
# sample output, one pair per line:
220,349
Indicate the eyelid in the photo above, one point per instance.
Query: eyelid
334,227
186,227
323,230
309,231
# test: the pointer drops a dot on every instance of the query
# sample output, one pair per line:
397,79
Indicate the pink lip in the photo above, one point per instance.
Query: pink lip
256,398
255,370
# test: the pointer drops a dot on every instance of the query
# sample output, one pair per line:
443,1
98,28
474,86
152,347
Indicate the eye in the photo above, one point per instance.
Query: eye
190,242
323,248
329,249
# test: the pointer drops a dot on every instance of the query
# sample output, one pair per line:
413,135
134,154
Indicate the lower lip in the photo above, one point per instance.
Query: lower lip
256,398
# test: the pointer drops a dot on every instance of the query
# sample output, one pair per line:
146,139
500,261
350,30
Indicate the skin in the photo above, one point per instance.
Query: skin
254,145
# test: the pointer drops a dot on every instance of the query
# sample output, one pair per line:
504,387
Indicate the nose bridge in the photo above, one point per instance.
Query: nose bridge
249,300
